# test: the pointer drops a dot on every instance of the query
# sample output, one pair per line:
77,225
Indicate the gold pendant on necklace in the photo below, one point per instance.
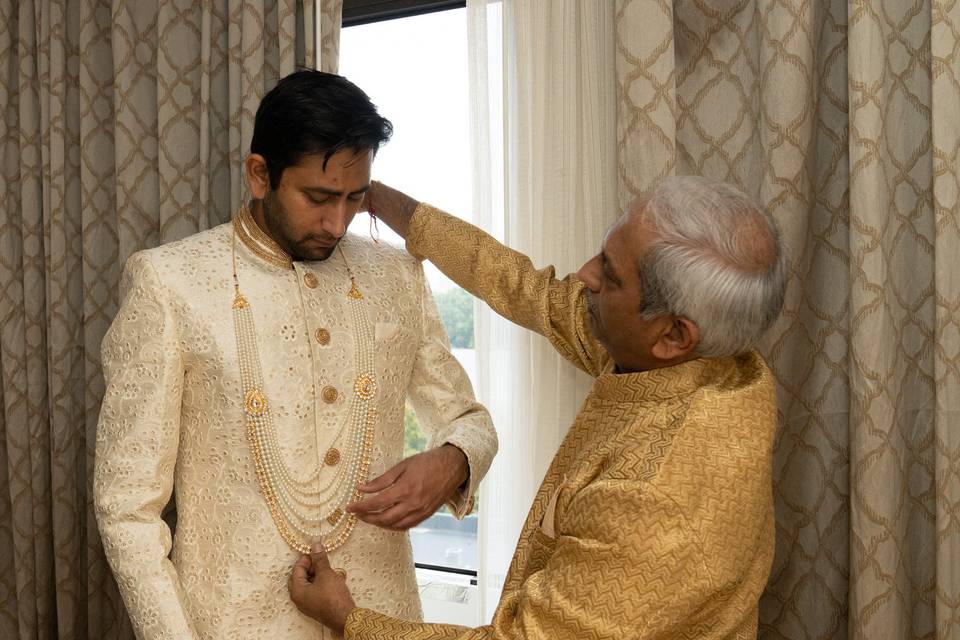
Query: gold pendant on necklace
255,403
365,387
354,291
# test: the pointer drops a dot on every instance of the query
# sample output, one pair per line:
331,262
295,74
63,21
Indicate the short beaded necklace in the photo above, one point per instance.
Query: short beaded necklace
305,510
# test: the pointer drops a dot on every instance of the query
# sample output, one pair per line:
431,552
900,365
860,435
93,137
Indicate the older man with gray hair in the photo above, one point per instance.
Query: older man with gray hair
655,519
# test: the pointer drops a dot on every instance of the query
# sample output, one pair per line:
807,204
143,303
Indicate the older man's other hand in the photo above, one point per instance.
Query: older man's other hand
413,490
319,591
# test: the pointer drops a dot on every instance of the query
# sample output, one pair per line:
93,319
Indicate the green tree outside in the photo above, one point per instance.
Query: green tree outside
414,440
456,312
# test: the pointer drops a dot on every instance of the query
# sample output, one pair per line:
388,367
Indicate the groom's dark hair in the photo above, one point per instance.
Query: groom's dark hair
310,113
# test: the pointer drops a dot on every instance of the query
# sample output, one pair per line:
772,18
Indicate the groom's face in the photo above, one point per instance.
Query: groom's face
315,202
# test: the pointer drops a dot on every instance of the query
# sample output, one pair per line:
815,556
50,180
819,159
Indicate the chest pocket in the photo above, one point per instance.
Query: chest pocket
542,547
543,541
549,521
386,331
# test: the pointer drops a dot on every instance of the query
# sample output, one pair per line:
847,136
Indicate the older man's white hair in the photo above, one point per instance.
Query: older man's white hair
716,258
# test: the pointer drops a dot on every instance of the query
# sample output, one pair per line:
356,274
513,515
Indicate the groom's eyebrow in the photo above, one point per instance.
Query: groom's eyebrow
334,192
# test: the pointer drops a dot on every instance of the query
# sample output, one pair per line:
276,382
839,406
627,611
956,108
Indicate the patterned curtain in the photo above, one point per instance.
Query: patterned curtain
843,118
124,125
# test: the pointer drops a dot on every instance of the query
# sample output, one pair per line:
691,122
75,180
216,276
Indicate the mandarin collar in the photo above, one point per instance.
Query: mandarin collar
255,239
661,384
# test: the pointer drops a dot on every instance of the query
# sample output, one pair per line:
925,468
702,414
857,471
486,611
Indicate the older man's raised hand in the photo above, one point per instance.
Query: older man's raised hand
393,207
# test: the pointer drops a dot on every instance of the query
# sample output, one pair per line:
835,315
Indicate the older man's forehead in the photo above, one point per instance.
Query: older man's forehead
606,236
618,243
619,223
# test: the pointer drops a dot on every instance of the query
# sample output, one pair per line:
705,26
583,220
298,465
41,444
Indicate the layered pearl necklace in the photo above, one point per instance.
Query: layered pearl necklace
305,510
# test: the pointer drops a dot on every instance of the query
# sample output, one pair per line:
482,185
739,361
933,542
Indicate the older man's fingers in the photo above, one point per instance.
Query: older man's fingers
301,569
318,558
300,576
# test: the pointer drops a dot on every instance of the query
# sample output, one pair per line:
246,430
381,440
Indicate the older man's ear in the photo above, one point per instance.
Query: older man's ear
677,340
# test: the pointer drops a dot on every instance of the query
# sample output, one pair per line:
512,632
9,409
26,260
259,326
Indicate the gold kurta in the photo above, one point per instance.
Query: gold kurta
172,420
655,519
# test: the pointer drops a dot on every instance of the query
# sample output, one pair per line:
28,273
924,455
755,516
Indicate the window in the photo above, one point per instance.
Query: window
414,68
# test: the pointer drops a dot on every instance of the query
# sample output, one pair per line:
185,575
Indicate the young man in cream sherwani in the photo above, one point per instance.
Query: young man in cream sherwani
259,371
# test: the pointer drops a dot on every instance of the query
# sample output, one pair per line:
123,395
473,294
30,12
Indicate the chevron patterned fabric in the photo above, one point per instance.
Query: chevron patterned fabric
655,519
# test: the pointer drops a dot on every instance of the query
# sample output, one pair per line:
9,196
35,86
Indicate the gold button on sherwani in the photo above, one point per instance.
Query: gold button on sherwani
322,336
310,280
332,458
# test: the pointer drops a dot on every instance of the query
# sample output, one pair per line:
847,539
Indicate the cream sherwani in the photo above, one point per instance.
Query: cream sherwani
172,421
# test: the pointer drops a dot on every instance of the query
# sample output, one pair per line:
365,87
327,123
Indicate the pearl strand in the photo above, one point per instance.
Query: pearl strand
282,492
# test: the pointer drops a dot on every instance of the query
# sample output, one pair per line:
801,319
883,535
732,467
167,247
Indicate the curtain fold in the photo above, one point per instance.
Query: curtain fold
124,126
945,107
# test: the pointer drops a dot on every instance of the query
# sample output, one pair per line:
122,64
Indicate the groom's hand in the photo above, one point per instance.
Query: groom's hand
413,490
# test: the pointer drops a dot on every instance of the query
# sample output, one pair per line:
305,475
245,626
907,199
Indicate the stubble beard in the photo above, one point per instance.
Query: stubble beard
274,217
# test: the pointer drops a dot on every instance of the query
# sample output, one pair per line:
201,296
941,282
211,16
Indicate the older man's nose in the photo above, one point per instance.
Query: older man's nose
589,273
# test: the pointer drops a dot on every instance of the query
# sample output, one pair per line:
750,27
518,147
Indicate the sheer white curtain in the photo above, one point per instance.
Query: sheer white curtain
544,146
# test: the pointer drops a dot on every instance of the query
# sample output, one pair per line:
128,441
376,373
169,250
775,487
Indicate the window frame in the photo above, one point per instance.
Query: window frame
357,12
360,12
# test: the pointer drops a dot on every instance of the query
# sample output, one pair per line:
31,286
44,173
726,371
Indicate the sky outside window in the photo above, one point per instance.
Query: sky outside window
415,71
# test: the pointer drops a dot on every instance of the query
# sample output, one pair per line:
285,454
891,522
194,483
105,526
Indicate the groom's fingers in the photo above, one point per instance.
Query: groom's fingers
391,495
389,518
388,478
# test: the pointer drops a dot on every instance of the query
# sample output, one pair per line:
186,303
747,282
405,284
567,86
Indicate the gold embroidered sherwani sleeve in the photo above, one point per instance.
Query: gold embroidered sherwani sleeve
442,396
632,569
136,452
507,281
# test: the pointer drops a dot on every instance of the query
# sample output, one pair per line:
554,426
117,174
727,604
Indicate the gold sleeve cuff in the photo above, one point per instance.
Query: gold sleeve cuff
364,624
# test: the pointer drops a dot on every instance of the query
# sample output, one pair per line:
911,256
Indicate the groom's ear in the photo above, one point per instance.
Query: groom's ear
258,175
